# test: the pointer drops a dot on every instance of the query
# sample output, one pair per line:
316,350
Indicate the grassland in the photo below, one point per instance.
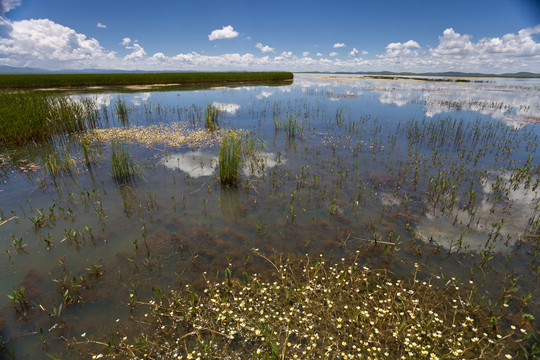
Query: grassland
128,79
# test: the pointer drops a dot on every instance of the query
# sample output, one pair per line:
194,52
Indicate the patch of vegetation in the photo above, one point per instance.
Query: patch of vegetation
314,309
122,79
230,158
211,117
34,116
123,168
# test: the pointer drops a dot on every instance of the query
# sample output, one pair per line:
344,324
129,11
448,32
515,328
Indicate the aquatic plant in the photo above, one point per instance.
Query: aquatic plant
123,168
230,158
34,116
313,309
211,117
121,110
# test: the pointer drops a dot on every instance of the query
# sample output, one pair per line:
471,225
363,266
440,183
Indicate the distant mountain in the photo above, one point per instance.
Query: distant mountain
447,74
4,69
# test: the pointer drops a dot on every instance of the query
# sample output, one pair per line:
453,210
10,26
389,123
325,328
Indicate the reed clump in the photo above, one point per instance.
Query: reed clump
313,309
35,116
123,168
230,158
211,117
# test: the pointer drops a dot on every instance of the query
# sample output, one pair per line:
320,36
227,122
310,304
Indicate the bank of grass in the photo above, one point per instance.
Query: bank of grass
127,79
316,310
32,116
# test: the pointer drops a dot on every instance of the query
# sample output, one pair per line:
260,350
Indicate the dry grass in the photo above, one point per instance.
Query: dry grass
171,135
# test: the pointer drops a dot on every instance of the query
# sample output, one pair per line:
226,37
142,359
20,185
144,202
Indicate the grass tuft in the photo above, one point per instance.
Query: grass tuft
211,117
230,158
123,169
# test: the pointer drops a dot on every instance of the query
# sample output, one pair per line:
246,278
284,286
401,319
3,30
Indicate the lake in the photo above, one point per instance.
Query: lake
442,172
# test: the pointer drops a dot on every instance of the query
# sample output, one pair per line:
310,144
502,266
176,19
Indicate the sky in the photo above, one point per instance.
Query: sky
494,36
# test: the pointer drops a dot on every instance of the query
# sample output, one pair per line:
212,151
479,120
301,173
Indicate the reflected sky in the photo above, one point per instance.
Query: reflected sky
514,101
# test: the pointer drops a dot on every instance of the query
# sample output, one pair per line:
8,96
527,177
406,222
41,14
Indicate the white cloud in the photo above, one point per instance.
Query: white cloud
227,32
102,26
452,43
364,52
44,41
521,44
46,44
339,45
265,48
402,49
333,54
7,5
136,53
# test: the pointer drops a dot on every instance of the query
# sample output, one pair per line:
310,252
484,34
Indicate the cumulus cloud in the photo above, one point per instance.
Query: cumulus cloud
452,43
137,52
126,41
402,49
305,53
521,44
319,54
339,45
227,32
264,48
333,54
43,40
353,52
102,26
364,52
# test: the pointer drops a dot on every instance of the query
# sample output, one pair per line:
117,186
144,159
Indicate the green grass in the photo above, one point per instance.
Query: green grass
229,159
123,168
34,116
122,79
211,117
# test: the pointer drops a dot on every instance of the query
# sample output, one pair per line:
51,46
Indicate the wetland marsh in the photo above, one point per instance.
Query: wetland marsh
420,180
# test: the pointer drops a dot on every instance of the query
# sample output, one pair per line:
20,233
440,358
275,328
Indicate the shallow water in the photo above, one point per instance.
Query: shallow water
440,173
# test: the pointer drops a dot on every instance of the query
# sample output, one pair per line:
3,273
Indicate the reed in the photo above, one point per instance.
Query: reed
230,158
123,168
211,117
35,116
123,79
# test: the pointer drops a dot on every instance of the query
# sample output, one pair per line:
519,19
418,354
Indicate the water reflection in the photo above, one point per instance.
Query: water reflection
195,164
516,102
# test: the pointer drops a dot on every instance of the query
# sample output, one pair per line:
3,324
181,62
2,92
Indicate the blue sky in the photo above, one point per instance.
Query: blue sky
486,36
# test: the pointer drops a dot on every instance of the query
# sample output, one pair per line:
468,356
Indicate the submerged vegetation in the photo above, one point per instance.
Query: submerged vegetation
312,309
124,79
